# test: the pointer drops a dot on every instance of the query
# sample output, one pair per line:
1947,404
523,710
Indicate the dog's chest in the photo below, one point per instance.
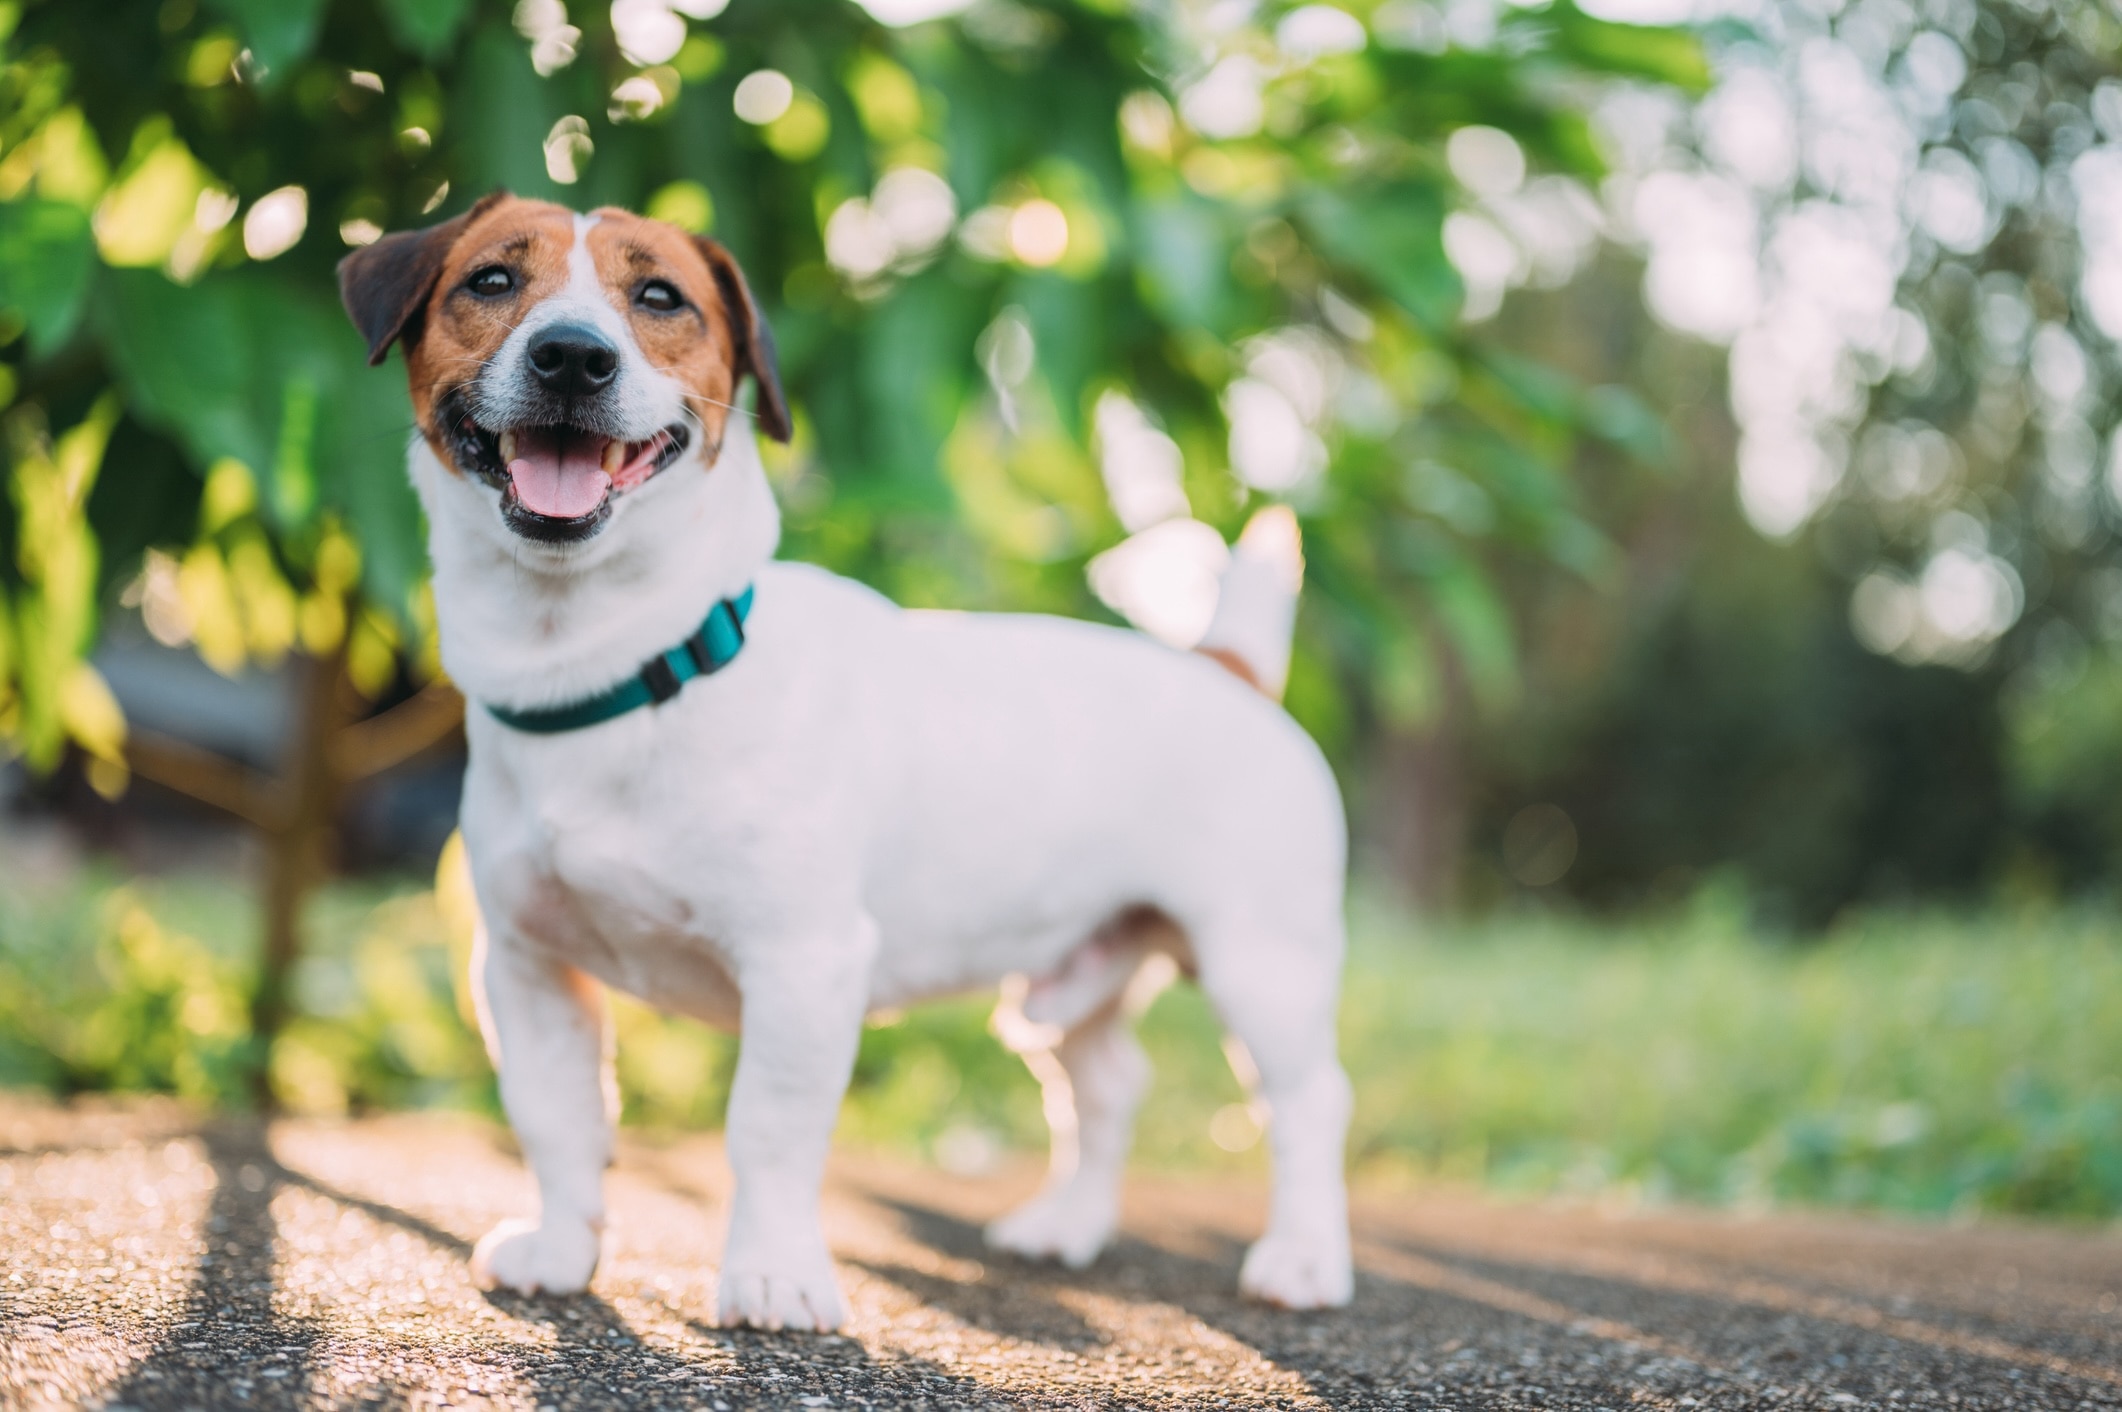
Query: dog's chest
605,889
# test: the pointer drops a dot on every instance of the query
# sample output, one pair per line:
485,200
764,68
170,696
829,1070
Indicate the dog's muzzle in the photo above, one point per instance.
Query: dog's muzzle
561,459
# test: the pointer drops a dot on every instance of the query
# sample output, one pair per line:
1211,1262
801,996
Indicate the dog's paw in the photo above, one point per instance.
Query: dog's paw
1299,1270
1067,1223
775,1291
532,1259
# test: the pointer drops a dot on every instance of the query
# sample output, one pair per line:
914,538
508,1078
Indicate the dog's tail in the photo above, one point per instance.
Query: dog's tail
1256,611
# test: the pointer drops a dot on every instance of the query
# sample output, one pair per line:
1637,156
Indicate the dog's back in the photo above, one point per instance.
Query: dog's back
1056,772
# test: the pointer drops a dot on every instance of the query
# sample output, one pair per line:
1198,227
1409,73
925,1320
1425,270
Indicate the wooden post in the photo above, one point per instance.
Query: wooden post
327,750
299,850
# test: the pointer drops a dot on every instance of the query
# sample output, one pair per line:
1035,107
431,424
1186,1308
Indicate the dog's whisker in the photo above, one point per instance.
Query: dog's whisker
703,397
745,411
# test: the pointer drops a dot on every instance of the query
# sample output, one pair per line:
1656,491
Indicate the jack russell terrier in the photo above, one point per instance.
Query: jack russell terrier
864,807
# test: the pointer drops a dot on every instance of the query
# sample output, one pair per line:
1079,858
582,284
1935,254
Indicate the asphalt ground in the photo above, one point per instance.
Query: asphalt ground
151,1260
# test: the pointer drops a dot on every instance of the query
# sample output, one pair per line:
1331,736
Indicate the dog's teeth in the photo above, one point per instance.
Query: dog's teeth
508,447
614,456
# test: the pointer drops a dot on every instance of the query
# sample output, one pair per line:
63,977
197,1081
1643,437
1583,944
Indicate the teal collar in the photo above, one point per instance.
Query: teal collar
713,646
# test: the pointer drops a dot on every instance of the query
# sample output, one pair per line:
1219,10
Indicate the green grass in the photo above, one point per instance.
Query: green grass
1921,1063
1927,1063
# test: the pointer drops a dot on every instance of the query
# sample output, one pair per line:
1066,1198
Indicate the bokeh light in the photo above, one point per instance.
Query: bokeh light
763,96
1038,233
275,222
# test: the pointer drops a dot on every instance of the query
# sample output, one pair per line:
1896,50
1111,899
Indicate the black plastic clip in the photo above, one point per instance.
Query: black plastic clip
661,681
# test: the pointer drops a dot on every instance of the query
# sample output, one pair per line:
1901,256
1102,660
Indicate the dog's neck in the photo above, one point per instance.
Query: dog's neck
526,626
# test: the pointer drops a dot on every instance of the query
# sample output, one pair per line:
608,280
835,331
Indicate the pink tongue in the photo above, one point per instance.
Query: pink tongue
557,473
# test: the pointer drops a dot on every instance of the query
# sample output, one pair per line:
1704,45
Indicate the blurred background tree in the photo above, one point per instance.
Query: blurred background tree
1064,290
1061,291
1882,670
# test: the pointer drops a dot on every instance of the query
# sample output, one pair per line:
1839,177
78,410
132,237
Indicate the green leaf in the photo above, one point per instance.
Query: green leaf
1393,237
1528,488
1478,624
427,27
224,405
1066,328
1546,392
915,361
47,258
1671,56
1578,546
364,425
288,392
1183,249
1617,415
280,32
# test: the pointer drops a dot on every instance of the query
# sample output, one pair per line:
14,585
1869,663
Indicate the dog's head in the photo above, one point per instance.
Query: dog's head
563,359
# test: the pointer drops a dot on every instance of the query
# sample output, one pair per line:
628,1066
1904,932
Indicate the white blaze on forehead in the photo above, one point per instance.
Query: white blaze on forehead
582,282
583,298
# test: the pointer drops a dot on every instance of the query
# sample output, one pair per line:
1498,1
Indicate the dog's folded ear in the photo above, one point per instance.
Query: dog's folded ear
755,341
385,286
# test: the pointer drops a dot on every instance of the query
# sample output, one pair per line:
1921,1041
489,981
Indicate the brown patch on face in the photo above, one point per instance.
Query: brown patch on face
692,338
464,326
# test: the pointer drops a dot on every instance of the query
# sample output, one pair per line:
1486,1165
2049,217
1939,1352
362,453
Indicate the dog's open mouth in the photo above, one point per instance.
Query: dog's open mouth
557,482
564,472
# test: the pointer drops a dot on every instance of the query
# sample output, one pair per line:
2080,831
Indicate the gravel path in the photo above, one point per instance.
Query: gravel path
149,1261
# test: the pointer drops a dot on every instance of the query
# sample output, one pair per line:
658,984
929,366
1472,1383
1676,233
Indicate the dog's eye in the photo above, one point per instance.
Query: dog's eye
659,296
491,282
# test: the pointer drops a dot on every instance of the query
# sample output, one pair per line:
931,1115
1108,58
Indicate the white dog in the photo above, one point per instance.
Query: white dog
856,807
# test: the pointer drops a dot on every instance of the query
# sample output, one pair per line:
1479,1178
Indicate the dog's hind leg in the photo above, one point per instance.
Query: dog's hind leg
1093,1075
1282,1015
1075,1029
1076,1032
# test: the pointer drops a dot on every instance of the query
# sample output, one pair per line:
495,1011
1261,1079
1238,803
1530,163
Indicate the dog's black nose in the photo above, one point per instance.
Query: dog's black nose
573,360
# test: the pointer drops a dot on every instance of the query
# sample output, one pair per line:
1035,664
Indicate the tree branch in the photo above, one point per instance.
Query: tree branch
372,746
212,779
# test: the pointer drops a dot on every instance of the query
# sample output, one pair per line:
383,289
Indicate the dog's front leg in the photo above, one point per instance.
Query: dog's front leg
803,1008
546,1030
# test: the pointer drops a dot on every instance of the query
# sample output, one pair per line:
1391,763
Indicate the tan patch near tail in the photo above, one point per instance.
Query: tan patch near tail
1256,604
1238,667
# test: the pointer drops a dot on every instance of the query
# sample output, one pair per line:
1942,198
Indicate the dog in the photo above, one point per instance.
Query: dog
751,791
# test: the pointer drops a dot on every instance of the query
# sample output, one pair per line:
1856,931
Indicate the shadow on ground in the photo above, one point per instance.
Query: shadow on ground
306,1289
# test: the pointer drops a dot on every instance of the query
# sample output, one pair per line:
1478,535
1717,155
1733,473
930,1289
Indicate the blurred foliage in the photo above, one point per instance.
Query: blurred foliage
145,987
1913,1061
96,992
1719,720
2020,368
2066,761
1909,689
1909,1061
54,617
178,178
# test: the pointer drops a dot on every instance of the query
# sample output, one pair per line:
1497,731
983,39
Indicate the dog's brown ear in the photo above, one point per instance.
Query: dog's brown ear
755,341
385,286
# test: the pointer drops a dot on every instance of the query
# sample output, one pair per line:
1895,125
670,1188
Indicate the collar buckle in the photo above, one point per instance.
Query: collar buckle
711,647
660,678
